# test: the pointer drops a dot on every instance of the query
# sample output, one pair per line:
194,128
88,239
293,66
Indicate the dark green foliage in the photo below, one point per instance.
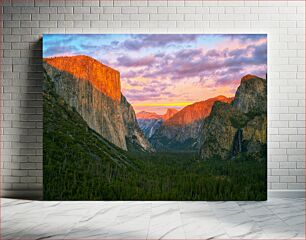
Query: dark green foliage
81,165
255,112
172,145
239,120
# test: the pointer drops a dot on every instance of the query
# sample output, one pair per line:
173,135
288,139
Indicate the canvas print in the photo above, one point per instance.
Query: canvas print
155,116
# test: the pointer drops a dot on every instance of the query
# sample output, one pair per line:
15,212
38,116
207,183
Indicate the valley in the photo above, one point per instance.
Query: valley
80,164
97,148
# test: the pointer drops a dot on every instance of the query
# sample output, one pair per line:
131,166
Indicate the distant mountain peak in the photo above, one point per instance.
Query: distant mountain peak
220,97
169,114
147,115
152,115
103,78
171,110
195,111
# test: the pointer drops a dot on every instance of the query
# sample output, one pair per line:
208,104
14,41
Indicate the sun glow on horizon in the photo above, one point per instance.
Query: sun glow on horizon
177,104
160,71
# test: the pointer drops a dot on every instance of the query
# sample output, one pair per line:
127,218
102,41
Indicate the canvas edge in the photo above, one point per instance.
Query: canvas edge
38,194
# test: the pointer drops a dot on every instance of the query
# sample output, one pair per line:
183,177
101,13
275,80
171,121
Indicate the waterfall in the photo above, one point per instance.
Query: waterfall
237,143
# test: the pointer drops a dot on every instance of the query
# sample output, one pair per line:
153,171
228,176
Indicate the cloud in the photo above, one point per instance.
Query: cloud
216,53
141,95
135,95
223,65
252,55
189,54
151,91
131,74
127,61
206,69
157,40
170,66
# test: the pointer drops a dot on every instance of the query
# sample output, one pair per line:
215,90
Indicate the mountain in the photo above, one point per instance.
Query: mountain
134,137
149,126
251,95
152,115
181,131
169,114
150,122
93,90
148,115
195,111
84,68
238,127
78,163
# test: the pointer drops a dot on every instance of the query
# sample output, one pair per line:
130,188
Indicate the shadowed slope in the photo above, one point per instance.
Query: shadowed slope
93,90
239,128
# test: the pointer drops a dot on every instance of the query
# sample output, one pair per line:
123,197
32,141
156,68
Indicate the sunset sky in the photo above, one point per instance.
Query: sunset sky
160,71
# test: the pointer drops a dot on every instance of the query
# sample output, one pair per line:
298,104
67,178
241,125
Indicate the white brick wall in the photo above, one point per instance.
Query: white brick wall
24,21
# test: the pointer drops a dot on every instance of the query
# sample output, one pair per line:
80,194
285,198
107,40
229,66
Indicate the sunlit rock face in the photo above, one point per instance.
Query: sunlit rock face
238,127
103,78
181,131
169,114
133,133
93,90
251,95
195,111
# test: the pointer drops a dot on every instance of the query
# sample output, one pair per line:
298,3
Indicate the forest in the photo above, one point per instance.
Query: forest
81,165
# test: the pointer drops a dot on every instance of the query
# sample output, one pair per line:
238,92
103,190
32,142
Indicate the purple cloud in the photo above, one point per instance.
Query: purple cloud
189,53
154,90
131,74
141,95
135,62
217,53
157,40
222,65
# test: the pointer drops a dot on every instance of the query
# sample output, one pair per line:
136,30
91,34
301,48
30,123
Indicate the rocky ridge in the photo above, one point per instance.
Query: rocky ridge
152,115
93,90
240,126
181,132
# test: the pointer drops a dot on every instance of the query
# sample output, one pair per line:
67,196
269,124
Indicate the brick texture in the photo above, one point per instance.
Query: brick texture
24,22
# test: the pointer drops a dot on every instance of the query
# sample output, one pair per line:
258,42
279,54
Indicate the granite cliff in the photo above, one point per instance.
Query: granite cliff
195,111
240,126
181,131
93,90
169,114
